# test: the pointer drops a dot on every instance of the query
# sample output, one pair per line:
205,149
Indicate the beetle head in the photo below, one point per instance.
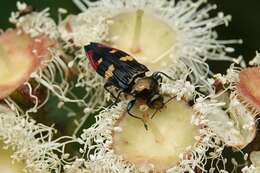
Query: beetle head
147,88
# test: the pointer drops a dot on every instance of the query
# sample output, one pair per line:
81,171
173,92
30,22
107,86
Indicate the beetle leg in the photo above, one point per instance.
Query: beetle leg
130,105
169,100
116,98
158,77
106,86
154,113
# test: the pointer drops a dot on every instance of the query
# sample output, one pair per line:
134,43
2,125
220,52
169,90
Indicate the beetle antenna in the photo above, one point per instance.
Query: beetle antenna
169,100
164,104
154,113
158,73
164,74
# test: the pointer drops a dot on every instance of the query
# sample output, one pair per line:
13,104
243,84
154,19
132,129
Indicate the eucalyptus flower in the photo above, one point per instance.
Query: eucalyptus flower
237,91
250,169
255,167
184,34
176,140
33,49
31,142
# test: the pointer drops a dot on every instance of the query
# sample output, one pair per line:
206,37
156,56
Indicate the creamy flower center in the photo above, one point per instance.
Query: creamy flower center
149,39
170,135
7,165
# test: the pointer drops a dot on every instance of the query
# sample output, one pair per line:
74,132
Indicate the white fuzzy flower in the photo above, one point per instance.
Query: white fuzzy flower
250,169
181,88
34,23
256,60
83,28
191,40
231,121
255,166
100,144
232,76
31,142
39,33
195,38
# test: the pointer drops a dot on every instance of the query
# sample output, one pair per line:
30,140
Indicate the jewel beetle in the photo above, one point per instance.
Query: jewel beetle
122,71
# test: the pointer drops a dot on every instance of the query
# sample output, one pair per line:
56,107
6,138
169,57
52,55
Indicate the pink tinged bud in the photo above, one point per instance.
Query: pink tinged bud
20,56
249,86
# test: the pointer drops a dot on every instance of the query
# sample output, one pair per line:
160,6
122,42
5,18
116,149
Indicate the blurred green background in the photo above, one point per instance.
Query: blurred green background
10,5
244,25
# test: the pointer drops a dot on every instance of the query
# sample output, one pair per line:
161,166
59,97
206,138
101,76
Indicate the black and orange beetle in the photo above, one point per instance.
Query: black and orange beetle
125,73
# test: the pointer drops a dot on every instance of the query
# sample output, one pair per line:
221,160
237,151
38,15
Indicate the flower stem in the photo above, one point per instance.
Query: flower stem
138,25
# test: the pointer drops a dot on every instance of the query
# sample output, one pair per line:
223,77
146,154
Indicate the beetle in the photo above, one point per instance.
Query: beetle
122,71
